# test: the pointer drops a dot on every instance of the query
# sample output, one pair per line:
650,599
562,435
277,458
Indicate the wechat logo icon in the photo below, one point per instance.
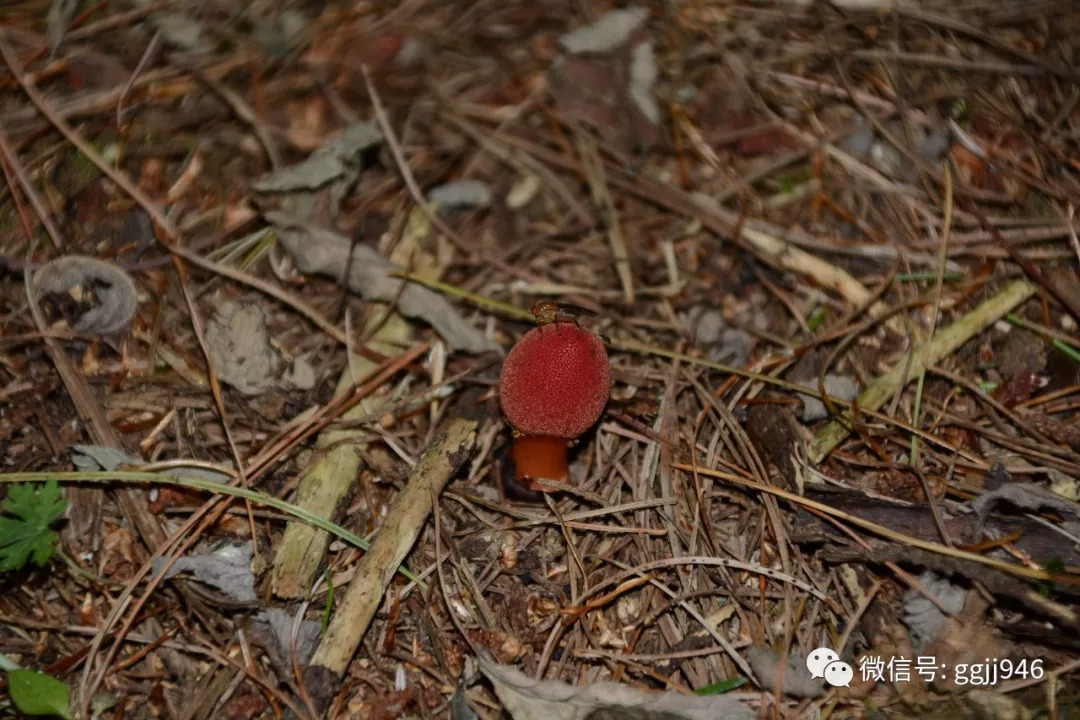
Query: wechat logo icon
825,663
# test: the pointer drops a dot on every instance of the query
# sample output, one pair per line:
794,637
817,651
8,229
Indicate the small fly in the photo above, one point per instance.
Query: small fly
553,311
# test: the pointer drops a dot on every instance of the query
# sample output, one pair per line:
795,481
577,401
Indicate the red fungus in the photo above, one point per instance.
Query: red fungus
554,386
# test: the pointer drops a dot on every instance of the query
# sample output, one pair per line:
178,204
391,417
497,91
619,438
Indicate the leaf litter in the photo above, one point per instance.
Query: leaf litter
751,201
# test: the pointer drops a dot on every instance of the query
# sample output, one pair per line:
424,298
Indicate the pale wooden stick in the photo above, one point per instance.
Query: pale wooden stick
942,345
392,543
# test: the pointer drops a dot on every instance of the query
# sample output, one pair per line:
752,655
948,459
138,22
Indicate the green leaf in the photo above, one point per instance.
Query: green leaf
35,693
959,110
719,688
1067,349
817,317
24,532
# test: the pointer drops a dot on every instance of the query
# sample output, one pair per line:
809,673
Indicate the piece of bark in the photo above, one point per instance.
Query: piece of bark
914,520
1036,540
1002,585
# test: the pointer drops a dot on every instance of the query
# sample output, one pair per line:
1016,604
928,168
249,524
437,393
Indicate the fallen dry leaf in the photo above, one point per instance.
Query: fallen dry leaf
240,348
797,680
227,568
528,699
605,78
325,252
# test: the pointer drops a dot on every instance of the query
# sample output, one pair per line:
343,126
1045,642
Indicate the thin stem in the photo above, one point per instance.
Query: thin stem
194,483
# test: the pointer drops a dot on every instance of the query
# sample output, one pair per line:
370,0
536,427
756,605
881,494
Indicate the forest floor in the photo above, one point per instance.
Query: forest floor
260,265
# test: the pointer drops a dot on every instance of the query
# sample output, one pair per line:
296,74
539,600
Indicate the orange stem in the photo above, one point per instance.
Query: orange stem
540,459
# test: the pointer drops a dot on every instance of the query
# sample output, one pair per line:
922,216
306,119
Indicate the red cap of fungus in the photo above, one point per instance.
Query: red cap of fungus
555,381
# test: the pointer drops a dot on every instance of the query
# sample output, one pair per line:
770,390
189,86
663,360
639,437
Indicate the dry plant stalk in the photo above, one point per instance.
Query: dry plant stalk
794,259
326,482
594,171
329,480
399,531
942,345
331,476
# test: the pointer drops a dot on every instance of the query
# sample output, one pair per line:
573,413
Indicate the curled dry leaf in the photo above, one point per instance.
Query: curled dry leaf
1026,496
459,707
797,681
245,358
272,629
240,348
923,618
608,33
93,458
228,568
326,252
528,699
90,295
58,20
330,162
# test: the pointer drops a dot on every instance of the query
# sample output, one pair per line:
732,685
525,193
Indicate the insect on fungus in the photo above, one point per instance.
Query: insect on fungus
553,311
